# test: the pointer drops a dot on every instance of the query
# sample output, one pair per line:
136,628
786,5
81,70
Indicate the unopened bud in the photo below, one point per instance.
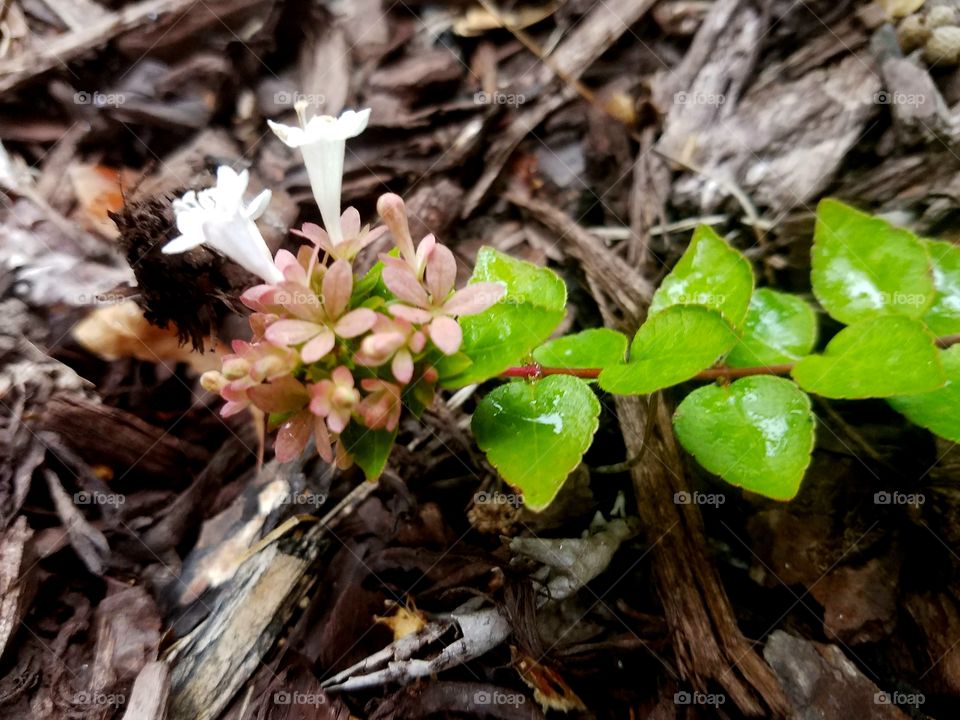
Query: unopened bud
213,381
235,367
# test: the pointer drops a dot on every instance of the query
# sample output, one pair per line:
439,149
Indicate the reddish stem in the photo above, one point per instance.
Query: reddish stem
533,371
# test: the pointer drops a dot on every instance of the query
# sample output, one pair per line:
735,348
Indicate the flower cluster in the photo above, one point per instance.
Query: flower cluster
330,349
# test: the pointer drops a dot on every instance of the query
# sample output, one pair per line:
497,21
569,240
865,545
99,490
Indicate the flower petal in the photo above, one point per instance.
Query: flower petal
182,244
446,334
292,437
402,366
319,346
474,298
282,395
337,287
290,135
441,273
292,332
402,283
258,205
350,223
410,314
356,322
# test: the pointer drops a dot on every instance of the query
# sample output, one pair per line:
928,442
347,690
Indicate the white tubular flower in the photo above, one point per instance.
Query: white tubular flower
322,142
216,217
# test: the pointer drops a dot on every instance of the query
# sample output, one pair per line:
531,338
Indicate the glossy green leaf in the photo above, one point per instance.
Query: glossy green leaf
535,433
756,433
369,448
938,411
670,347
503,335
864,267
881,357
779,328
943,317
596,348
711,274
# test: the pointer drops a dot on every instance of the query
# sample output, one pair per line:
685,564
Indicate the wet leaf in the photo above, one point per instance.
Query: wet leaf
864,267
596,348
711,274
780,328
881,357
938,411
670,347
943,317
536,433
503,335
756,433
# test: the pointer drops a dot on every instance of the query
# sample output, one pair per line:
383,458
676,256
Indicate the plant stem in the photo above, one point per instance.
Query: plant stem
534,371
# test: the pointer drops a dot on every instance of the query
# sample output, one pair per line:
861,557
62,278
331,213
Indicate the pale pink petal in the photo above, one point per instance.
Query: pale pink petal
391,261
259,297
292,437
299,300
375,234
315,234
342,376
417,341
232,408
394,214
337,420
424,251
282,395
446,334
474,299
410,314
350,223
356,322
382,345
322,438
319,346
337,287
402,366
441,273
292,332
291,268
402,283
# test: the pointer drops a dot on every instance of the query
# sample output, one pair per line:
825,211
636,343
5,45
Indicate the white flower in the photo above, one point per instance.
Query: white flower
217,217
322,142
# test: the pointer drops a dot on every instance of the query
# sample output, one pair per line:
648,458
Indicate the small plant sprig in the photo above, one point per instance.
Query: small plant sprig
340,357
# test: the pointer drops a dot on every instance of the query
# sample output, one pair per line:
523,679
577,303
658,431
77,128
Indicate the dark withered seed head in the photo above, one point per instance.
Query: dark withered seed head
194,291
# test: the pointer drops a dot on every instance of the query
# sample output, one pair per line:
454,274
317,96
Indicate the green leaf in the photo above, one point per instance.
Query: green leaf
880,357
536,433
864,267
710,273
499,337
938,411
670,347
596,348
369,448
943,317
779,328
756,433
